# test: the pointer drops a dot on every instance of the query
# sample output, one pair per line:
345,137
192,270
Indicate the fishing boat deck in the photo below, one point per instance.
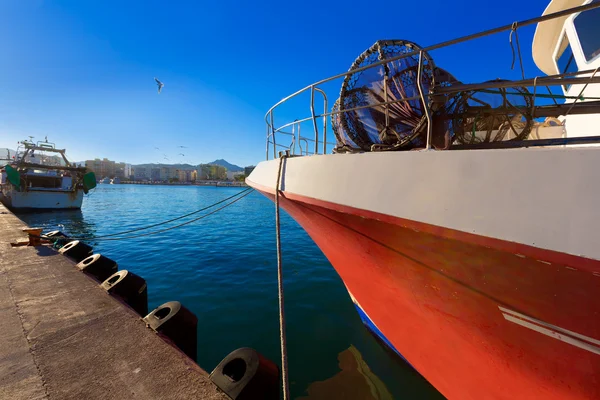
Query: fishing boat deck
63,337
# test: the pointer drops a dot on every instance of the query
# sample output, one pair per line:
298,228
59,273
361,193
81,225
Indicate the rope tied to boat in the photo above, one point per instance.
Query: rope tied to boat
513,29
282,337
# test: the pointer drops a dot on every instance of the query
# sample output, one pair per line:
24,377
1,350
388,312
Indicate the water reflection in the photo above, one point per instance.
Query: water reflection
71,221
355,380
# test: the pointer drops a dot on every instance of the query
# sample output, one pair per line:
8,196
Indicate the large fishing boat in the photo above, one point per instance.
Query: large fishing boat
41,178
475,256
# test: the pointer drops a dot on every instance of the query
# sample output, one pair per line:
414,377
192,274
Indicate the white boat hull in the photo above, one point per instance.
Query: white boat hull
42,199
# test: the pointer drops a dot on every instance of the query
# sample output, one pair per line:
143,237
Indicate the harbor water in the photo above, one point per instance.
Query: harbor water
223,268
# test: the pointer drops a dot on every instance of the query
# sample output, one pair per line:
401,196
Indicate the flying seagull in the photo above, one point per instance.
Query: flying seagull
159,84
182,147
157,148
181,154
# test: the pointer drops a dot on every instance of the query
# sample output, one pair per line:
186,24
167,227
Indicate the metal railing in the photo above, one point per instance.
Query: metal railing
295,146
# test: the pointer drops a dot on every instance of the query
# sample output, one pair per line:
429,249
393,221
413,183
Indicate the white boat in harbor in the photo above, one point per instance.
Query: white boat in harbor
41,177
115,181
105,180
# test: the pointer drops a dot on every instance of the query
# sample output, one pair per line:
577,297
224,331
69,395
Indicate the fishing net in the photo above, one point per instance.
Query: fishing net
370,124
382,108
490,115
344,142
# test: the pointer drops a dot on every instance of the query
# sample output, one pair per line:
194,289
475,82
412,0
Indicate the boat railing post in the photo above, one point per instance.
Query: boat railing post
314,118
268,138
300,139
386,105
293,145
273,133
325,109
305,145
425,105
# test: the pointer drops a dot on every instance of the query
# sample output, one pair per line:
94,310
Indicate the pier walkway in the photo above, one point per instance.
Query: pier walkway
63,337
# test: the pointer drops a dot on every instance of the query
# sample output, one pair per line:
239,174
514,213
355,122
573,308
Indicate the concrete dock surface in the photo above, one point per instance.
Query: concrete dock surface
63,337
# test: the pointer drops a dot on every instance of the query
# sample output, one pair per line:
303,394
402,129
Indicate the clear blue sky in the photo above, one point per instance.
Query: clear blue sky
82,72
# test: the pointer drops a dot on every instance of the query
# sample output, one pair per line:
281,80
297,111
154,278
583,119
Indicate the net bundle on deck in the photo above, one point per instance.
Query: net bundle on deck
371,124
381,107
491,115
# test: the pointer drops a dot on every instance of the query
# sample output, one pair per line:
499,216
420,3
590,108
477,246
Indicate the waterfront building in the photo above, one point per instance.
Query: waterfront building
141,173
212,172
128,171
231,175
155,173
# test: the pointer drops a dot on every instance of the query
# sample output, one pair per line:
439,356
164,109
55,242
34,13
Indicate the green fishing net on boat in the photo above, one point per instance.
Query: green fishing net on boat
89,182
13,175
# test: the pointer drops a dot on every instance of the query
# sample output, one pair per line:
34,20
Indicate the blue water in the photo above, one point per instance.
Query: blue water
223,269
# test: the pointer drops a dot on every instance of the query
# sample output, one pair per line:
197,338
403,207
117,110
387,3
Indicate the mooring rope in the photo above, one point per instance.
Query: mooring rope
240,195
174,219
176,226
514,30
282,339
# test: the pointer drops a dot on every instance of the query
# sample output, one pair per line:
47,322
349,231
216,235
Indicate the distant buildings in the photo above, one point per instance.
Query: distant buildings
212,172
141,173
107,168
164,174
190,175
232,175
168,174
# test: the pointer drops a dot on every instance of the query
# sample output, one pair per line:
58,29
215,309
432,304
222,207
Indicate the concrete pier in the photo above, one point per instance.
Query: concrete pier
63,337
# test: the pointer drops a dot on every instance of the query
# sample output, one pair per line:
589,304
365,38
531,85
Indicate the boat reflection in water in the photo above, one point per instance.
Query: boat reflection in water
69,221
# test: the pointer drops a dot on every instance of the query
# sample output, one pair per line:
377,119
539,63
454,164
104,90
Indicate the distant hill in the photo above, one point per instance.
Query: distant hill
230,167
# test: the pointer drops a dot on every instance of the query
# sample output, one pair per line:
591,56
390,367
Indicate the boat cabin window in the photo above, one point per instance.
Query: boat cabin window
564,59
588,30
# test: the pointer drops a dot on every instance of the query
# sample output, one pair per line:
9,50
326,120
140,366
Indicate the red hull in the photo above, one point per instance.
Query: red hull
480,318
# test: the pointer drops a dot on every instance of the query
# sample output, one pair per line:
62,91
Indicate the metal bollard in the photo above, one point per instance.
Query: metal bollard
76,250
98,266
245,374
175,322
130,288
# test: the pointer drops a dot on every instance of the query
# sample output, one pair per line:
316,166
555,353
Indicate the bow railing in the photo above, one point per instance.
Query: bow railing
308,135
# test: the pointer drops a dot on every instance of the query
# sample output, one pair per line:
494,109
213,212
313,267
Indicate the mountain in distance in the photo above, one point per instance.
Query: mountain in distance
230,167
